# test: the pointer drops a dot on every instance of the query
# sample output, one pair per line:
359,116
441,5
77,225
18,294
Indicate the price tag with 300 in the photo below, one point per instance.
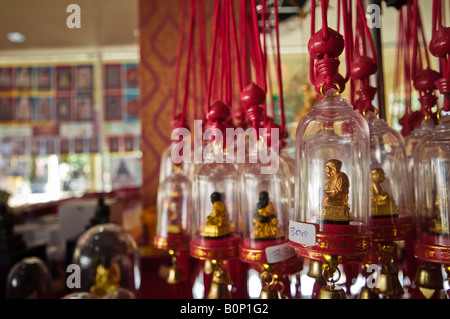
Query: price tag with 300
302,233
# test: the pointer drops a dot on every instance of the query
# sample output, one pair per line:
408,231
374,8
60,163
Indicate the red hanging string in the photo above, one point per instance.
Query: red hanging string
188,60
213,53
280,78
438,47
179,58
202,52
235,45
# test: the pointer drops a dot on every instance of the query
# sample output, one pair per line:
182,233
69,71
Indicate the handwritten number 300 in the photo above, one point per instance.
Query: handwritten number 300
298,232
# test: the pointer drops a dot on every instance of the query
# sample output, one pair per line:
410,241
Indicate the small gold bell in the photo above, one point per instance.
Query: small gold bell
429,276
315,269
429,279
219,283
367,293
175,275
389,284
327,292
268,294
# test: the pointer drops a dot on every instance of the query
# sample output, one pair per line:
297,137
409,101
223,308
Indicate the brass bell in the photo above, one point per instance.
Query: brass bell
367,293
429,276
389,284
267,293
175,275
208,267
219,283
429,279
315,269
219,291
327,292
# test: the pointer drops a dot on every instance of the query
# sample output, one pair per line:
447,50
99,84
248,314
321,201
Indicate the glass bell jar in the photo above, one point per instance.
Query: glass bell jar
215,232
391,194
332,183
412,140
29,279
432,181
265,209
265,202
391,212
174,209
108,258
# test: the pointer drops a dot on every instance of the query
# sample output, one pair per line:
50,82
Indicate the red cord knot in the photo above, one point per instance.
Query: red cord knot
322,85
218,118
327,67
362,67
425,81
332,47
282,135
440,43
251,97
366,95
443,85
326,52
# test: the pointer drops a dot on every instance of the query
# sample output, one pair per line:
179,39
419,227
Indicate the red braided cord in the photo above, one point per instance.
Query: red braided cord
188,60
178,66
213,53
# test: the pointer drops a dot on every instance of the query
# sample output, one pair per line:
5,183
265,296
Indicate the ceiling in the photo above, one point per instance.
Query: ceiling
104,23
113,23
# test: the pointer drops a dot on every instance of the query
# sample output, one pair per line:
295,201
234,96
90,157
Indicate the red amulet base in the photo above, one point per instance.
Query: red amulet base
339,240
224,248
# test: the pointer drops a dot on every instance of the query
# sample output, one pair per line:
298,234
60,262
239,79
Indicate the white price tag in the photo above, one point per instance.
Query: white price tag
302,233
279,253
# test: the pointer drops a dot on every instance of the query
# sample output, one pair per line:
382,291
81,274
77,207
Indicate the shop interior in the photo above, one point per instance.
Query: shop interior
91,93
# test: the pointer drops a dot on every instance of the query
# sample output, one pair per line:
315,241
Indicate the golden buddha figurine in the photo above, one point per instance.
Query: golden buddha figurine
438,227
265,224
106,280
171,208
218,222
335,197
381,203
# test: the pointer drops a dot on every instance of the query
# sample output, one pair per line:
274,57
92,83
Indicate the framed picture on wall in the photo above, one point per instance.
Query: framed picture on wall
50,146
64,78
113,74
129,143
84,77
131,75
23,108
79,145
19,146
64,146
23,78
84,107
6,79
35,146
63,108
113,108
43,76
42,109
6,112
113,143
132,107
